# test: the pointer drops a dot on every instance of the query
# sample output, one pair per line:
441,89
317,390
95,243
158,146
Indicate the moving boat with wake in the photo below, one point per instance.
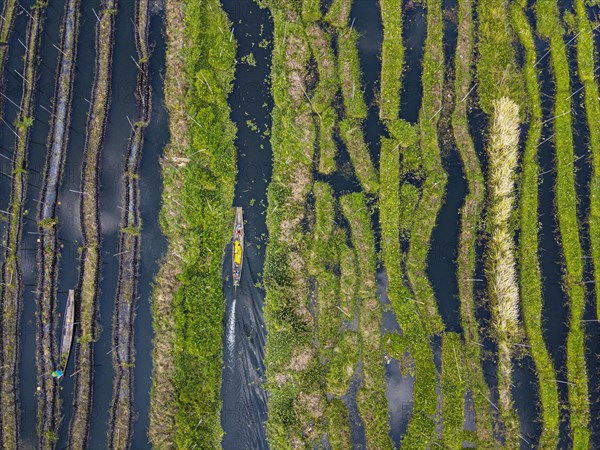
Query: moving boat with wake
237,258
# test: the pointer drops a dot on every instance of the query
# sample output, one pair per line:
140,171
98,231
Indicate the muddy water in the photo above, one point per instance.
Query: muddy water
244,409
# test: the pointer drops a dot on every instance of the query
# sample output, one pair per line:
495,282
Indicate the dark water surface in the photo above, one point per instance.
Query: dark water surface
244,399
69,231
554,310
36,162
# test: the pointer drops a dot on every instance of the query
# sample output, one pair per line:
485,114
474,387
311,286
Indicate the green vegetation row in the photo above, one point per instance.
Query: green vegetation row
453,383
392,60
199,175
399,207
335,73
497,73
434,185
323,94
122,413
501,270
529,271
12,282
355,109
294,372
371,399
549,27
501,97
335,295
469,225
89,270
586,57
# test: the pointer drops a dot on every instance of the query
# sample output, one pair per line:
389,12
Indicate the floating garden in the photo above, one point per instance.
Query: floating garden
354,338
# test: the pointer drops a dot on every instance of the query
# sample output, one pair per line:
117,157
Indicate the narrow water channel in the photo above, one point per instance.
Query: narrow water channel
554,310
13,91
68,214
36,162
244,409
441,267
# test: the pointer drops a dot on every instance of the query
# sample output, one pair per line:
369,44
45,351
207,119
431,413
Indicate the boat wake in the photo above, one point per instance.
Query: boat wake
231,328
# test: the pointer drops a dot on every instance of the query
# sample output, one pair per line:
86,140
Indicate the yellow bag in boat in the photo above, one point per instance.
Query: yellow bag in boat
237,252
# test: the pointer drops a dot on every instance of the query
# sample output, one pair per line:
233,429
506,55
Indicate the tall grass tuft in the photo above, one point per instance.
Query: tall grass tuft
501,267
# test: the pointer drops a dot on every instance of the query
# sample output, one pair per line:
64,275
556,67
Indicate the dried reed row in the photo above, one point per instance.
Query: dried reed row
501,270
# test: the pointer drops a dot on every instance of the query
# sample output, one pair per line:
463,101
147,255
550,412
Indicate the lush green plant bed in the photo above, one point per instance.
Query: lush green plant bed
371,399
392,60
497,74
453,383
199,174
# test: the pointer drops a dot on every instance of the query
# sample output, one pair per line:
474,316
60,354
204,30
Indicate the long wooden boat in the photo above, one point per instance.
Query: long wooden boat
237,257
67,331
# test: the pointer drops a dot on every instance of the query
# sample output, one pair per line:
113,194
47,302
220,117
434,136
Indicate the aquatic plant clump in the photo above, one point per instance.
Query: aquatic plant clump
90,226
121,414
12,277
501,270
